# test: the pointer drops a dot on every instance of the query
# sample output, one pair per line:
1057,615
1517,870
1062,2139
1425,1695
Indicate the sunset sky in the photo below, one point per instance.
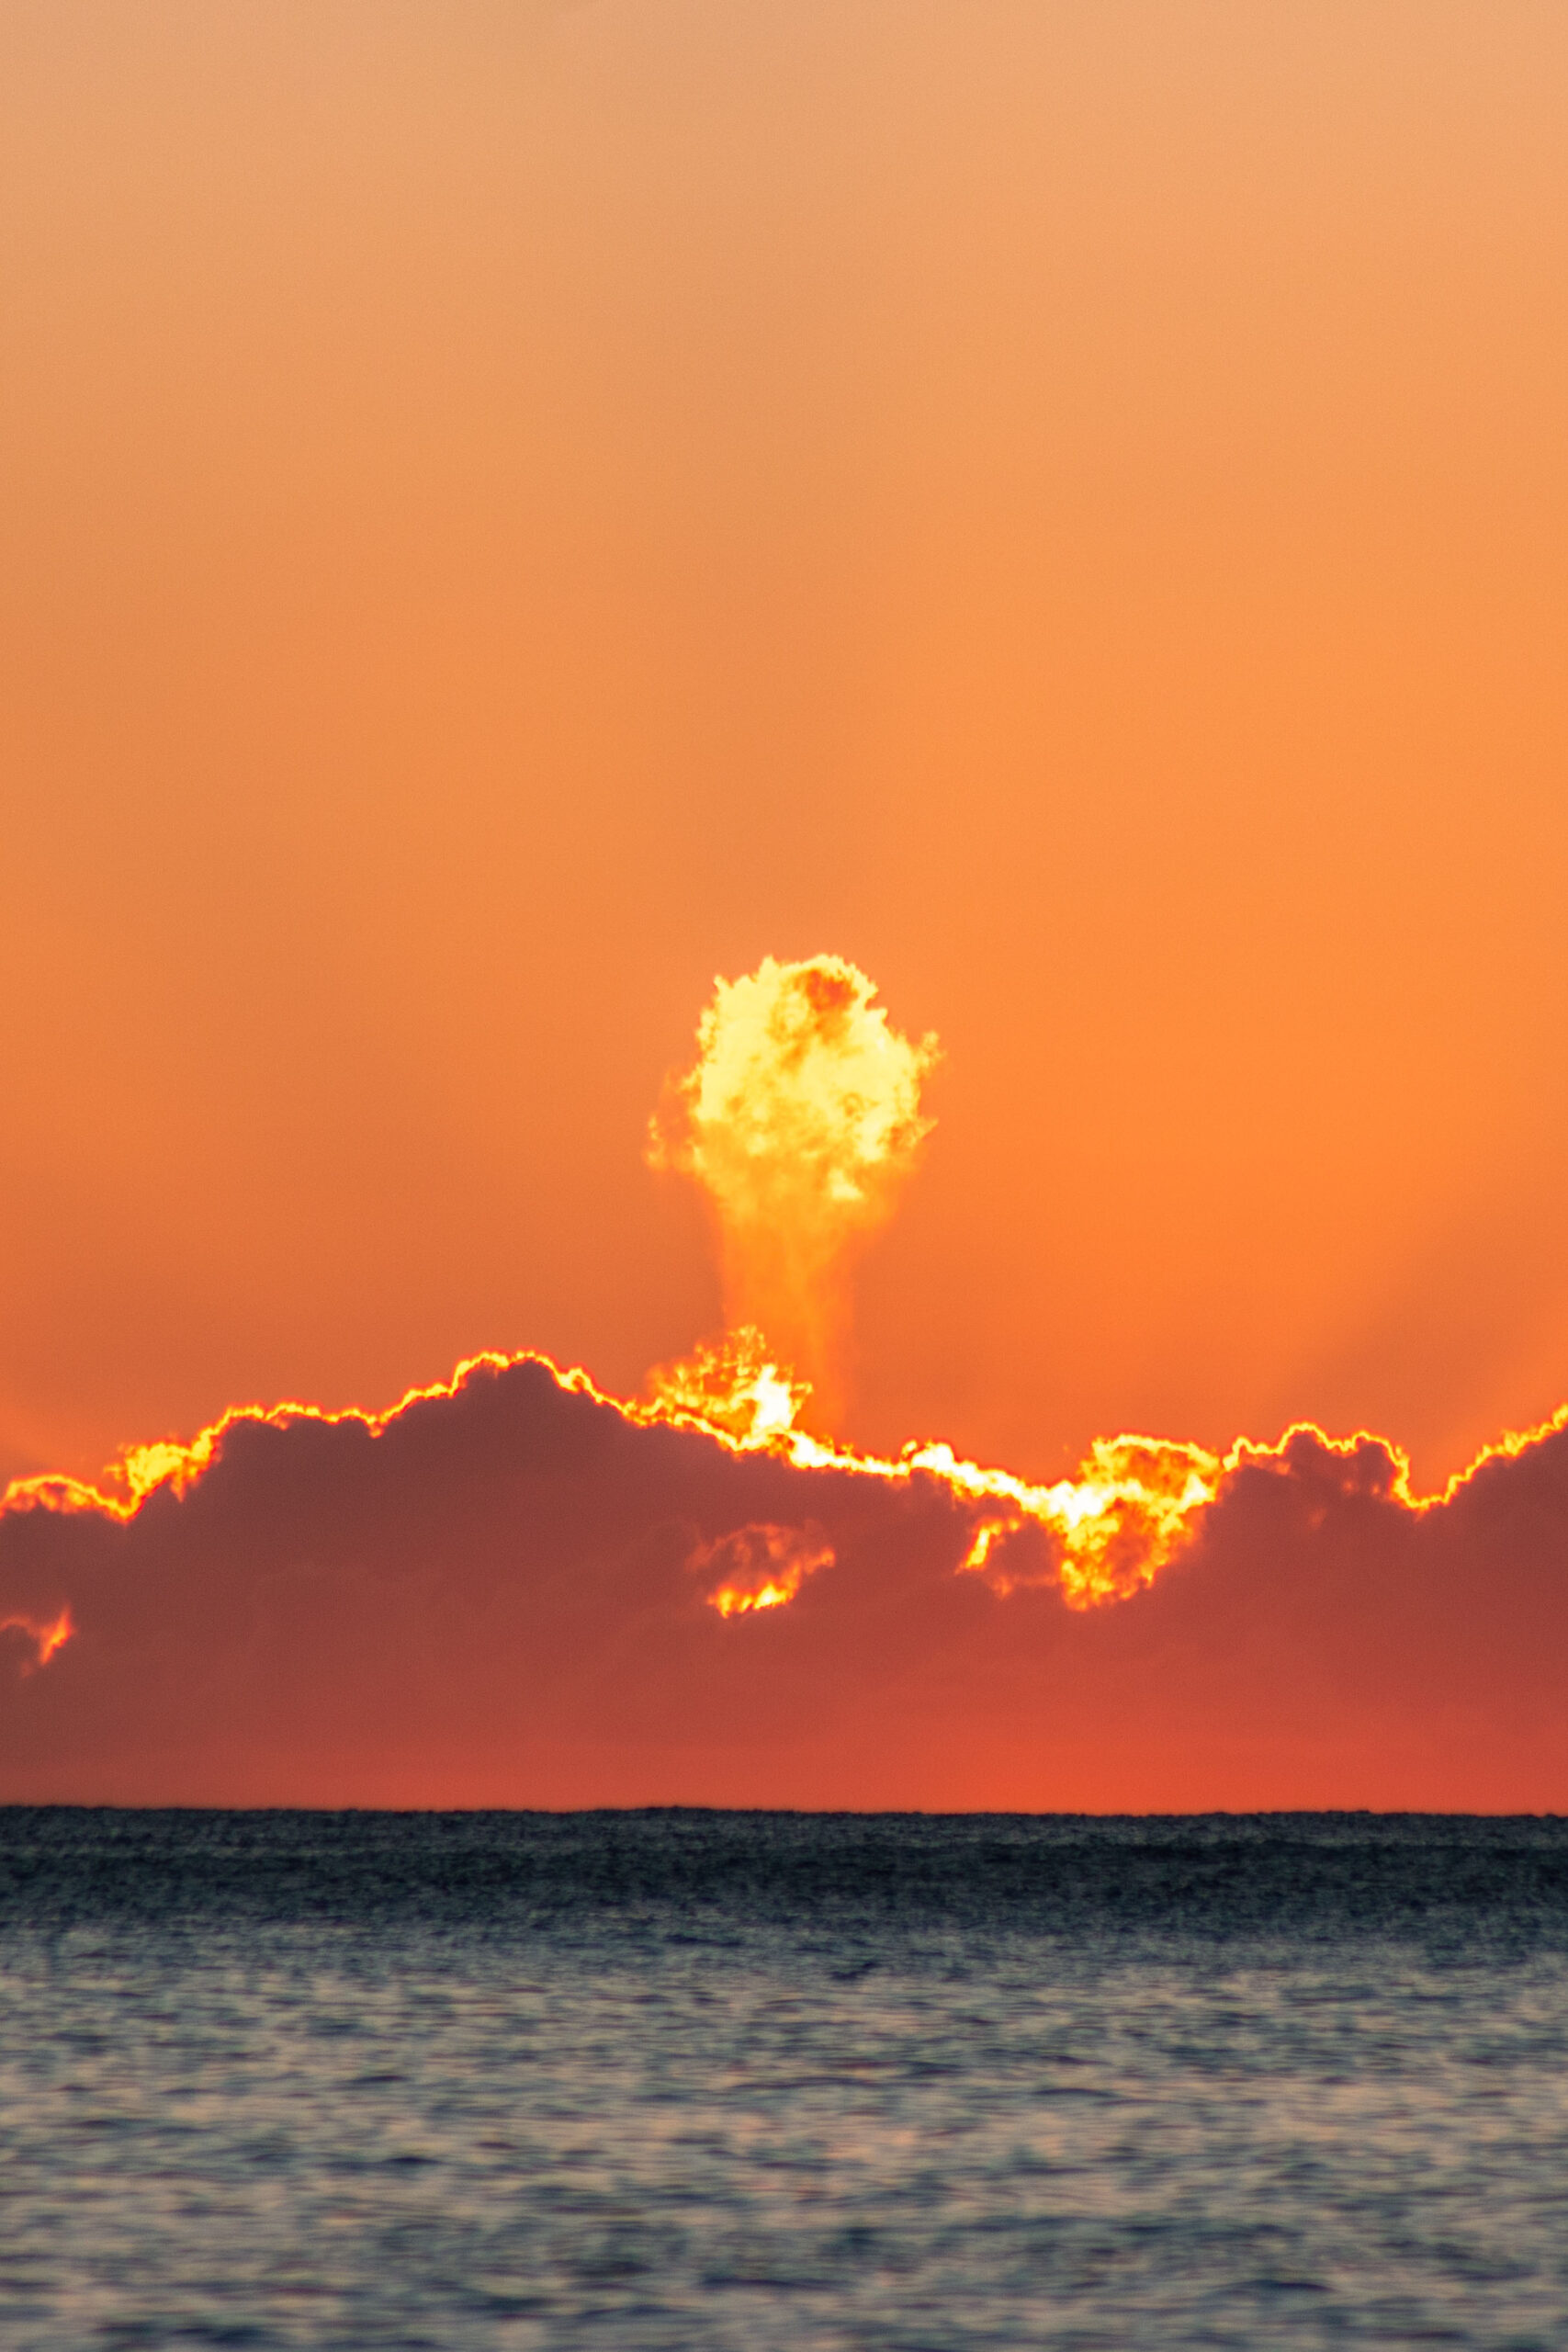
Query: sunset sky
515,510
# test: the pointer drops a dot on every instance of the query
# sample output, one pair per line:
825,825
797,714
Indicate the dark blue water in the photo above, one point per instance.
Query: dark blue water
693,2080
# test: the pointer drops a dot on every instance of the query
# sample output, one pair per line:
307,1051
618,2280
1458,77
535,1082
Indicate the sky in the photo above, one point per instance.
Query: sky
517,512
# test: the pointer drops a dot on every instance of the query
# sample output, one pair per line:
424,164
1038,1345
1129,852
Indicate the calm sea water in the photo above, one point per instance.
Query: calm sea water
691,2080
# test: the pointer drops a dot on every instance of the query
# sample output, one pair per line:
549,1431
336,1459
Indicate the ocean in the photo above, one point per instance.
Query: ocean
695,2080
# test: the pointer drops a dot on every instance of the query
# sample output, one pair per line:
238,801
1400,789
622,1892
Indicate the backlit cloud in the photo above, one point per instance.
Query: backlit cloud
509,1590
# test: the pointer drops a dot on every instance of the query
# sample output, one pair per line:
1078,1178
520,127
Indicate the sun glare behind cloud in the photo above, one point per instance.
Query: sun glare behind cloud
800,1119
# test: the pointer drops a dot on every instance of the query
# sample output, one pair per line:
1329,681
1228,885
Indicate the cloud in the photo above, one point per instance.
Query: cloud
800,1119
503,1591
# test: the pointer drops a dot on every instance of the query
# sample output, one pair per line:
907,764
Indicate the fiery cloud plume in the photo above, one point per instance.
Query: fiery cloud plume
800,1119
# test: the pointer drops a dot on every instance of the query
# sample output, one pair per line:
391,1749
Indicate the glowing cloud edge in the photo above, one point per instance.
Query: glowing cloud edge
1138,1503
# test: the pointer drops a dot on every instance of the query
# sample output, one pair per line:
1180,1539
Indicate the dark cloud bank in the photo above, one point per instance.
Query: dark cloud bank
492,1602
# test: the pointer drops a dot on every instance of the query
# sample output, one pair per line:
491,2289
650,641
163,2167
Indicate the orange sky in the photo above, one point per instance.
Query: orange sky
513,510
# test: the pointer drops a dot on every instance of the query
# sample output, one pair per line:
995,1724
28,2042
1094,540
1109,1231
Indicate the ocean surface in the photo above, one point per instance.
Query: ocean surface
696,2079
